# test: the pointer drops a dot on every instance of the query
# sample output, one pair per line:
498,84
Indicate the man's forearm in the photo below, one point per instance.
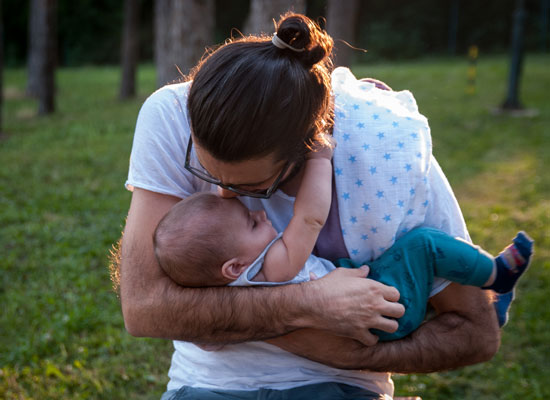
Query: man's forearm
450,340
213,315
447,342
442,344
154,306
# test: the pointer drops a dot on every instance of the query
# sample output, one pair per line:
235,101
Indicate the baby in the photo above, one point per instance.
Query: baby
206,240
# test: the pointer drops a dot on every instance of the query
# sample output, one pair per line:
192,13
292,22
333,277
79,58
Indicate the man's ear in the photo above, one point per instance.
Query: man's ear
233,268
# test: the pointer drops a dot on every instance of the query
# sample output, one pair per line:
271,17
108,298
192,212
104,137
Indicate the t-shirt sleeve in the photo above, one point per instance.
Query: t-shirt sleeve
443,213
160,140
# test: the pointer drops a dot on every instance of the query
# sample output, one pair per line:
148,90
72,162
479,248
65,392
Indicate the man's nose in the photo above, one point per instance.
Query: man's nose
226,194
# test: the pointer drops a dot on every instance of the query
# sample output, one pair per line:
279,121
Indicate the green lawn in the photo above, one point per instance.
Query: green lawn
63,204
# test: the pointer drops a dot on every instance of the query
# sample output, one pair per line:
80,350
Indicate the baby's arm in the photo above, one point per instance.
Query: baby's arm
287,256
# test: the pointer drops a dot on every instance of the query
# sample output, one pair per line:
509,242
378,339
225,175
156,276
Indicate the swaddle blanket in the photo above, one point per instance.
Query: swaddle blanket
381,163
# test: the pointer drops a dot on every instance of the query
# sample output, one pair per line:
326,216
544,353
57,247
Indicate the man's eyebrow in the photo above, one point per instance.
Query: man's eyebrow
238,184
249,184
254,183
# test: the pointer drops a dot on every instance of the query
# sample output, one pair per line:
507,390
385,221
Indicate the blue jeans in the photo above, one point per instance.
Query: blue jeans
320,391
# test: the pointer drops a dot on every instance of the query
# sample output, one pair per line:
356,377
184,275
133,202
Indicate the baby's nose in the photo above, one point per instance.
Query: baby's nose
260,214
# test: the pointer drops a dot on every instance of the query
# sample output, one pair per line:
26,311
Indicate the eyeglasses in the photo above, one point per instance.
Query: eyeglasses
200,172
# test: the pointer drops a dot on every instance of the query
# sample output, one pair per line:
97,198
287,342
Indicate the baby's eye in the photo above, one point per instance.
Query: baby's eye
254,223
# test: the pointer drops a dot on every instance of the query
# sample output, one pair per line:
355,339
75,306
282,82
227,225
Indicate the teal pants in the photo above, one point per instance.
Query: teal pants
411,264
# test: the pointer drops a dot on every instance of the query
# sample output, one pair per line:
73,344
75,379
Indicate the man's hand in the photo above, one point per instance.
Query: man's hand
349,305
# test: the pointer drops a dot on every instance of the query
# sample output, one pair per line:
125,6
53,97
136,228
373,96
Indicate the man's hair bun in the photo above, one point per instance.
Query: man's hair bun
300,32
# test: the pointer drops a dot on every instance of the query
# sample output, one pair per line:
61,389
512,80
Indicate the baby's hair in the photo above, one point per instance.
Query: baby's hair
189,243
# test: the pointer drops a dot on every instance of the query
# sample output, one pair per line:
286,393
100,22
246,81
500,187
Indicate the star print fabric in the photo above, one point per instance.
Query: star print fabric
380,164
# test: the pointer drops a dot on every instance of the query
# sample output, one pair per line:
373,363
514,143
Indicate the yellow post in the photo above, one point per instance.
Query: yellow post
473,52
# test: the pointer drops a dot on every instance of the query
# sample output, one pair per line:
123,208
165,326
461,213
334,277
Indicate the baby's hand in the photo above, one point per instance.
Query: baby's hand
322,149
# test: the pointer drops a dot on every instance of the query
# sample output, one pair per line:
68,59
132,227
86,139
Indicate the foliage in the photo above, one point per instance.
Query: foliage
90,30
392,29
62,206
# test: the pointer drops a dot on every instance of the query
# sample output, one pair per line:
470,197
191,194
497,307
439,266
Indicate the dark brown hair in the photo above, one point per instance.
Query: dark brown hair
249,98
189,248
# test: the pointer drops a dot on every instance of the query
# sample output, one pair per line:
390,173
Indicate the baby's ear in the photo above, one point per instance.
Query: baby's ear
233,268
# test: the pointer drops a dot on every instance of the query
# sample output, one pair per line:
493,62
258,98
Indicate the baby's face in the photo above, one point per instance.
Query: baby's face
251,229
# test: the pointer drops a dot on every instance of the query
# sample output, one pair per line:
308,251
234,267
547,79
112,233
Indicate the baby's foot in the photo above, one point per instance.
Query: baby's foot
512,262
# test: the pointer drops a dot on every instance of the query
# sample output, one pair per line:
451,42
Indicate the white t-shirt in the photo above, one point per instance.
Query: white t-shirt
313,265
157,164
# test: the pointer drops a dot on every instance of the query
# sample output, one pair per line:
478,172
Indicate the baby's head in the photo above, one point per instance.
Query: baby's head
206,240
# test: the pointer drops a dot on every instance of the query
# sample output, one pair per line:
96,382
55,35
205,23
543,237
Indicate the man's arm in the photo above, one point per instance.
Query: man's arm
465,331
155,306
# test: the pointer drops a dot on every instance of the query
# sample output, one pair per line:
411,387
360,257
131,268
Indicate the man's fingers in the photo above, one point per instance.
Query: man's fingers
386,325
390,293
360,305
354,272
393,310
368,338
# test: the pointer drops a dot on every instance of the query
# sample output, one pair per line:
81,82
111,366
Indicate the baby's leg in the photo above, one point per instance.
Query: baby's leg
411,264
457,260
524,244
407,266
511,263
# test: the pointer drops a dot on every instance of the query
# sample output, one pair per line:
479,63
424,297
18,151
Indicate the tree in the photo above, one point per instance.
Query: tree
129,53
512,101
263,12
342,19
183,29
32,54
1,69
43,48
453,26
161,22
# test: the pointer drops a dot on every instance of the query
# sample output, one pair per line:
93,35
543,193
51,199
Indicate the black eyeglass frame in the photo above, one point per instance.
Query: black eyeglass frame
264,194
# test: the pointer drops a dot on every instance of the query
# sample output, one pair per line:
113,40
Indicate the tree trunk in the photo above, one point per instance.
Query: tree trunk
161,24
453,26
512,101
32,54
46,48
130,49
183,29
1,70
342,19
263,12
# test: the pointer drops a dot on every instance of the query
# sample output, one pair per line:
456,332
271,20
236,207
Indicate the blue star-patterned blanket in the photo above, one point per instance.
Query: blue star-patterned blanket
380,164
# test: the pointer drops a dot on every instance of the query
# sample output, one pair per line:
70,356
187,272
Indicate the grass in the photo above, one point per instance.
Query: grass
63,204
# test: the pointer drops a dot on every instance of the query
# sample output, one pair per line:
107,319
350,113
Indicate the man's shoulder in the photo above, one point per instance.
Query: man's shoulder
169,96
